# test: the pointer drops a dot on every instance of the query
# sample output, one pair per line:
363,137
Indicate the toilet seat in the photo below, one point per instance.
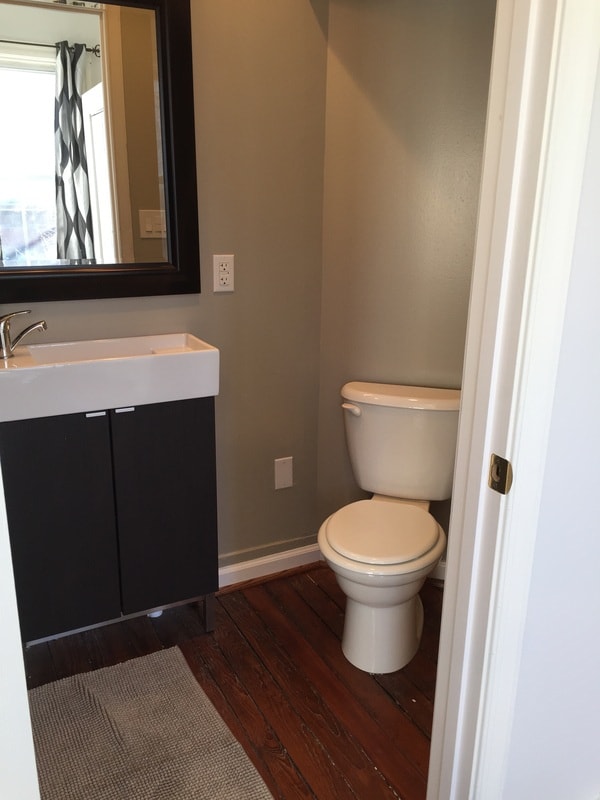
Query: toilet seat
382,533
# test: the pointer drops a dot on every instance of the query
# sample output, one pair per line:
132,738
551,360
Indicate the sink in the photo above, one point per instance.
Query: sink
43,380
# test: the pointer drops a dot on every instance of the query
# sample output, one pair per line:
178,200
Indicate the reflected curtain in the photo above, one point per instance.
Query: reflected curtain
74,232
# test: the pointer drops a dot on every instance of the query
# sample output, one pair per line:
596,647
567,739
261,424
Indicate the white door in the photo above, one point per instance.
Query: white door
18,773
99,173
543,75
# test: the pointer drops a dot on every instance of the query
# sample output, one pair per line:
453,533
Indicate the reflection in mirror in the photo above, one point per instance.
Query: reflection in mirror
97,163
84,181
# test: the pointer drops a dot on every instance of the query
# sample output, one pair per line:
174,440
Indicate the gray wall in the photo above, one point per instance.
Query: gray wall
338,158
407,89
260,72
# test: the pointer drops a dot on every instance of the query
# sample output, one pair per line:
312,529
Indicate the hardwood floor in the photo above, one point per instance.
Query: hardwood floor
314,725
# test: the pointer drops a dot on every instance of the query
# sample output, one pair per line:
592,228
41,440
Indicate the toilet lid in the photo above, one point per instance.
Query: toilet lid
381,532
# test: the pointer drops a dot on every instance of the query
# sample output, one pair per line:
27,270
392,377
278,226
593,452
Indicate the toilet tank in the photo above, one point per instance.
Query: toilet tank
402,439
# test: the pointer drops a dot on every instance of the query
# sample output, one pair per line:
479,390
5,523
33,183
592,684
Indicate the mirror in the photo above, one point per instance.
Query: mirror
143,200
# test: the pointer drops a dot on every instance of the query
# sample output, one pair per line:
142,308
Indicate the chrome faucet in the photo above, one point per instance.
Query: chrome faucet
7,345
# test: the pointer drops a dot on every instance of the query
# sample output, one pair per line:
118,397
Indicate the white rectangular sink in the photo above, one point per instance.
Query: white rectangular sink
44,380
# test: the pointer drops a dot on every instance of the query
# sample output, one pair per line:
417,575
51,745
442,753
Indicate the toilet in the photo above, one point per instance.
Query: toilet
402,442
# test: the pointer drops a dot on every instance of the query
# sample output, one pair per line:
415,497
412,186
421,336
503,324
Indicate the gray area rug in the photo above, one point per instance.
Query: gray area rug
142,730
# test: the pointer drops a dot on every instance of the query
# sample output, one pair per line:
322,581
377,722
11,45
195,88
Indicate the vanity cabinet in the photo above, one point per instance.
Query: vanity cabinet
110,513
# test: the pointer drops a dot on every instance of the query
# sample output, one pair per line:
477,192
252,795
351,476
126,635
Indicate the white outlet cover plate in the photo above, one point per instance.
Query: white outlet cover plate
223,273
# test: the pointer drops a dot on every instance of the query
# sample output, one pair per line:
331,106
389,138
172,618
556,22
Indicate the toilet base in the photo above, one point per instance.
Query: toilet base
381,640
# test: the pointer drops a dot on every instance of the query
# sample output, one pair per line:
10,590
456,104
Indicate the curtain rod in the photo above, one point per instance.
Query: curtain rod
95,50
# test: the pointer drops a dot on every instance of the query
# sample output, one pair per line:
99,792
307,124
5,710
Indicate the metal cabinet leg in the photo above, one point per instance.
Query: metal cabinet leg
209,612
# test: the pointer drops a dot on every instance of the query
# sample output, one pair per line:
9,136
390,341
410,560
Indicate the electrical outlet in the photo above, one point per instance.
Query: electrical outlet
223,273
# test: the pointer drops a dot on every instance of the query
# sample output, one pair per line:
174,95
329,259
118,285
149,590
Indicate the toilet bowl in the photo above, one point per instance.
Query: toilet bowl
401,442
381,550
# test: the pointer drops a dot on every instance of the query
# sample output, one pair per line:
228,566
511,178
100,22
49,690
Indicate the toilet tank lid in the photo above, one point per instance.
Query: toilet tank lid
399,396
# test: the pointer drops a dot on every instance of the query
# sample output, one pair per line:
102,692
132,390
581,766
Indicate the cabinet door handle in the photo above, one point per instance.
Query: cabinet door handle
96,414
124,410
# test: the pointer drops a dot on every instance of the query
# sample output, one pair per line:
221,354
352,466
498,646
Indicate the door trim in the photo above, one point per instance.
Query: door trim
541,94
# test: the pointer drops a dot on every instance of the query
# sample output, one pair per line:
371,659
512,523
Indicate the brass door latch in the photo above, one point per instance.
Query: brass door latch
501,475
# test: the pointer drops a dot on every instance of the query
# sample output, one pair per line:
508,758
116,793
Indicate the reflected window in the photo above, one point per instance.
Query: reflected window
119,217
27,193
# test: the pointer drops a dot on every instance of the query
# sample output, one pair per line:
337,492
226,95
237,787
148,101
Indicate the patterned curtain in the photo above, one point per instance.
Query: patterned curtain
73,211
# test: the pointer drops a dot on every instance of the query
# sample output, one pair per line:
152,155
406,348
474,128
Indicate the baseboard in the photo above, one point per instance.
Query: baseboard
439,573
268,565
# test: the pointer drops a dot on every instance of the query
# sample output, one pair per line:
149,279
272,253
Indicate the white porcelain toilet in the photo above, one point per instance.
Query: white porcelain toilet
402,442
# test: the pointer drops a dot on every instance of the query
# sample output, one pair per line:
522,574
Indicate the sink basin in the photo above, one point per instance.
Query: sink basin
128,347
43,380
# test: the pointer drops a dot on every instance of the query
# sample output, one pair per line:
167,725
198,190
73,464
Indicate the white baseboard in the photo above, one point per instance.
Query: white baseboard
268,565
439,573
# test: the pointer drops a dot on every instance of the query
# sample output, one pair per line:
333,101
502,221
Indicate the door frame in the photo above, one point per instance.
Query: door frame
17,756
542,83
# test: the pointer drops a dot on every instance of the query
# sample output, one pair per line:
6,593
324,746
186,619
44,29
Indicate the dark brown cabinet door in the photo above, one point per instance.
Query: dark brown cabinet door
165,493
110,513
58,484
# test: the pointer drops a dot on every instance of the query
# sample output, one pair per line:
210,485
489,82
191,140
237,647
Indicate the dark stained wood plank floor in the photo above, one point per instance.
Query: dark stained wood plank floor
314,725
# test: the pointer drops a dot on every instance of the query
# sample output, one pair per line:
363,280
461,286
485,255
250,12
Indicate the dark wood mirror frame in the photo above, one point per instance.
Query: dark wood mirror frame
181,273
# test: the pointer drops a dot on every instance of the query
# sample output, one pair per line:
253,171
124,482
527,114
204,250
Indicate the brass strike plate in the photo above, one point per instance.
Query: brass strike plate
501,474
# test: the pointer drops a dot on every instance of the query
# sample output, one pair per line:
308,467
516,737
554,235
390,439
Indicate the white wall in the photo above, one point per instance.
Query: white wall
18,779
48,26
555,750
